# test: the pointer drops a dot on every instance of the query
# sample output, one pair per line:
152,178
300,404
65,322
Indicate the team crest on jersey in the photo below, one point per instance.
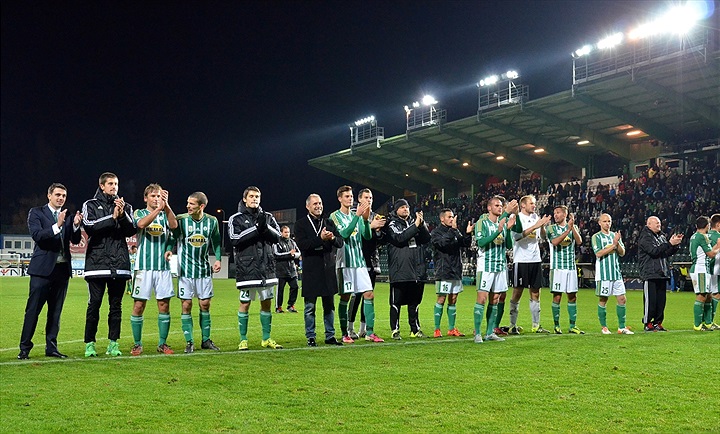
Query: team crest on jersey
197,240
499,240
566,241
155,229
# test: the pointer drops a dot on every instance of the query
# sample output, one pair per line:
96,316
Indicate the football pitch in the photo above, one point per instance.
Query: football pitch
649,382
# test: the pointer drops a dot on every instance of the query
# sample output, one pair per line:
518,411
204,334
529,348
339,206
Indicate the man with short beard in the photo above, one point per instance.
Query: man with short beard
406,263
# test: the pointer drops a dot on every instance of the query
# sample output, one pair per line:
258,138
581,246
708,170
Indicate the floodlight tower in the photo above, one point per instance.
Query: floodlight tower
495,91
672,34
366,130
423,114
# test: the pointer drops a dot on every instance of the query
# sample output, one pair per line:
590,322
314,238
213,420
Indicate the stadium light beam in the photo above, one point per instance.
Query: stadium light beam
678,20
584,51
489,81
428,100
610,41
365,120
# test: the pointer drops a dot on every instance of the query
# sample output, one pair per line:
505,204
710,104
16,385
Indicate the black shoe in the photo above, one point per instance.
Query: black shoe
292,309
333,341
311,342
24,355
649,328
55,353
209,345
659,328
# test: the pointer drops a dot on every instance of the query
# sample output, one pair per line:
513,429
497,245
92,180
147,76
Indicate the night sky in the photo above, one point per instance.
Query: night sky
216,96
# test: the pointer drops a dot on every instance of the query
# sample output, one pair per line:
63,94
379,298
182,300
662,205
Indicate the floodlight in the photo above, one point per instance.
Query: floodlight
583,142
634,133
585,50
416,104
499,157
678,20
466,164
511,75
365,120
429,100
434,169
491,80
610,41
538,150
644,31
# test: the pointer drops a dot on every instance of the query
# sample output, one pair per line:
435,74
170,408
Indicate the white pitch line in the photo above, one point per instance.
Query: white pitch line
323,347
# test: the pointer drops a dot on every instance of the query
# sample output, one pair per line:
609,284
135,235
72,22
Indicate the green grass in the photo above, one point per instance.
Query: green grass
657,382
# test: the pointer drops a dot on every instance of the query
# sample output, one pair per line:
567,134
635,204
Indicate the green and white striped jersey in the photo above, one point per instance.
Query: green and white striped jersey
193,240
715,262
562,256
491,256
353,229
699,246
151,242
607,267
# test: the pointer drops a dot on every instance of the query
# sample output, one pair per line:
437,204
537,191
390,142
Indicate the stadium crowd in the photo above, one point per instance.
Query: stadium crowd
677,199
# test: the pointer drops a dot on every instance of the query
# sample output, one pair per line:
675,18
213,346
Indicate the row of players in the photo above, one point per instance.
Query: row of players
334,262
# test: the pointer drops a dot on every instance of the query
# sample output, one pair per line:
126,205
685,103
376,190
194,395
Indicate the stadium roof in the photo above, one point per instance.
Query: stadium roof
666,102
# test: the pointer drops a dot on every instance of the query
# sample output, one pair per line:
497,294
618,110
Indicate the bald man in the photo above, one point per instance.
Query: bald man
653,251
608,247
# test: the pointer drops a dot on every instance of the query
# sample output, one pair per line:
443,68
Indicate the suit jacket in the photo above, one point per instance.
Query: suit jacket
48,245
318,258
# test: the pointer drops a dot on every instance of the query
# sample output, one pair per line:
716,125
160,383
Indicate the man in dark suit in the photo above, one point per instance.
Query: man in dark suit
318,238
49,268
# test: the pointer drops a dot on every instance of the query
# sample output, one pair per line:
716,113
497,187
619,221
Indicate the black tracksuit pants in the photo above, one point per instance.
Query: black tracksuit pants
654,298
409,293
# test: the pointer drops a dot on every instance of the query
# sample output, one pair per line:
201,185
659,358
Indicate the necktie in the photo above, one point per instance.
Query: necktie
55,214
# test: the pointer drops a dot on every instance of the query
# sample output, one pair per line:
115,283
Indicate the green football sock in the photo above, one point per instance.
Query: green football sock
491,321
369,309
556,313
698,311
478,316
452,313
572,313
243,325
438,314
163,327
714,307
205,324
136,324
620,309
187,326
266,323
500,312
602,315
708,313
343,315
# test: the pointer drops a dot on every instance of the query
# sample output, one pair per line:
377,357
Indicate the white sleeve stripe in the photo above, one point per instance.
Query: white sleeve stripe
247,231
87,222
274,230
